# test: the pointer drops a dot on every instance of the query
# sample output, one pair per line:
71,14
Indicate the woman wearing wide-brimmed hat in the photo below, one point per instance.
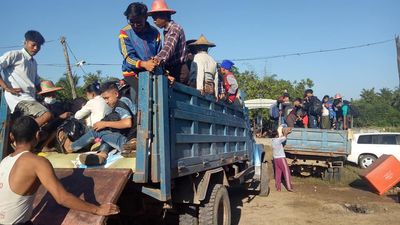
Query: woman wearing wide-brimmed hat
173,54
203,70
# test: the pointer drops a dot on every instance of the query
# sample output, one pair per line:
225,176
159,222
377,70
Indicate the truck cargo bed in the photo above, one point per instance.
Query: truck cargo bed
318,142
60,160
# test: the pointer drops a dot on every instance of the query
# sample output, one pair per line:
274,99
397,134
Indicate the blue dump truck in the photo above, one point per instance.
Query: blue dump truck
190,148
318,152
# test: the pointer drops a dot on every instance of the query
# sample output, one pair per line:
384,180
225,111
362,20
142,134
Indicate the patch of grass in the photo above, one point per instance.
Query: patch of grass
349,177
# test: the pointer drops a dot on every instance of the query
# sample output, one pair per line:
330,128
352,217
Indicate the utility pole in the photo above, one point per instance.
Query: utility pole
69,72
398,56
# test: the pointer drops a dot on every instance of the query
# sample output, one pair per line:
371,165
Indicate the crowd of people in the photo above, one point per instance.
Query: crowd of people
106,117
310,112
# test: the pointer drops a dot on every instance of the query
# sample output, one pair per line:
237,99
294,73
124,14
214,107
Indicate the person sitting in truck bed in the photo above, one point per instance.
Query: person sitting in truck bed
59,109
21,80
96,108
173,54
22,172
203,70
231,86
139,42
114,130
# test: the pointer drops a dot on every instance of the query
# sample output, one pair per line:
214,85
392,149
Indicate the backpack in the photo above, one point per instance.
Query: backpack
274,112
114,116
353,110
73,128
316,107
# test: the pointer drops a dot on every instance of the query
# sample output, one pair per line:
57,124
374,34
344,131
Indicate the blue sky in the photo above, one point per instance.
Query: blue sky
240,29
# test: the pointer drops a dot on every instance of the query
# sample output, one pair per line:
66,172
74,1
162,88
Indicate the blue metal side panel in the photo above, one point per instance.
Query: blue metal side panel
204,133
144,128
3,121
318,140
164,137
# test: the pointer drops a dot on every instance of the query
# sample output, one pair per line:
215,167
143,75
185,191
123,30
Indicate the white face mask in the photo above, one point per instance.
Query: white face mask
49,100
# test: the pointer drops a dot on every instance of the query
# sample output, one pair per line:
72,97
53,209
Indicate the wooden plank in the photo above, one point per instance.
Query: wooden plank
93,185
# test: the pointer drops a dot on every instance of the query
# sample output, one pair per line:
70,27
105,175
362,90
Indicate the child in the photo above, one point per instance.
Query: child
96,108
280,164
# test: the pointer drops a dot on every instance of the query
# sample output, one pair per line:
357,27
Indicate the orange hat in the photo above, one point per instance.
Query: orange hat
338,96
160,6
48,86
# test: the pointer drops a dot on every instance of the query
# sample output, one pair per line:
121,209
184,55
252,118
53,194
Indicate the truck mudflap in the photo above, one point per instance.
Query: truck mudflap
93,185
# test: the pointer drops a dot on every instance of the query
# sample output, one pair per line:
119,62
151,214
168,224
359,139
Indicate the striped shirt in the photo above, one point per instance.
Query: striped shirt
174,50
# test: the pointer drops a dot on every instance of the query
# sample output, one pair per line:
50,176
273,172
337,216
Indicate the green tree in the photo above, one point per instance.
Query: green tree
380,109
66,93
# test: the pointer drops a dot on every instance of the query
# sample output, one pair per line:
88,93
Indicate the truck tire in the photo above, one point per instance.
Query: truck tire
216,209
264,180
188,214
366,160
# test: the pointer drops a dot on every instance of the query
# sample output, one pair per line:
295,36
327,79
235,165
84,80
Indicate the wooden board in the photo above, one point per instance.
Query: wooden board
93,185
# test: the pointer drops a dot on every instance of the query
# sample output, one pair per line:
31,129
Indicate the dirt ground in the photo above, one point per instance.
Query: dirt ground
317,202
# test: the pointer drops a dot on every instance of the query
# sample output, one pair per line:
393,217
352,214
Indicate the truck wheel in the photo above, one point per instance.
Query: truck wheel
187,215
264,180
216,209
366,160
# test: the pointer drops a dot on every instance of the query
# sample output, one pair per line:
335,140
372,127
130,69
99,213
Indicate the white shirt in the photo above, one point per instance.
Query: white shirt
325,111
204,68
95,110
19,71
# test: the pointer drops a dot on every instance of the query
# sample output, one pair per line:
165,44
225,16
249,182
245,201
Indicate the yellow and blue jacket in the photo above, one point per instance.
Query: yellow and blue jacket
137,47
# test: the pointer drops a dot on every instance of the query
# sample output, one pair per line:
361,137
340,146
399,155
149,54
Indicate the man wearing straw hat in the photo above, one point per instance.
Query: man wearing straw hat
21,79
57,108
49,95
173,54
203,68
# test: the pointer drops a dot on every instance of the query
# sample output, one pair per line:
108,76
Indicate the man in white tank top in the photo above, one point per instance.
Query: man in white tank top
21,174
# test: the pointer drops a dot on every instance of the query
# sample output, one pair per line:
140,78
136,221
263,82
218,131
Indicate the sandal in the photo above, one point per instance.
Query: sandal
92,159
129,148
61,138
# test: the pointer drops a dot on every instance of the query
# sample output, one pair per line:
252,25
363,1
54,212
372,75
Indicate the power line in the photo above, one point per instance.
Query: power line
76,59
312,52
248,59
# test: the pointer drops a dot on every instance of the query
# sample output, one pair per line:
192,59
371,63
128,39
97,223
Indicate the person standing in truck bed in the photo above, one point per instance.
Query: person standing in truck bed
139,42
22,172
203,70
231,86
173,54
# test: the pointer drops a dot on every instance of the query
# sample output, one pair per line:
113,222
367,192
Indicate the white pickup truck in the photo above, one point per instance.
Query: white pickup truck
367,147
